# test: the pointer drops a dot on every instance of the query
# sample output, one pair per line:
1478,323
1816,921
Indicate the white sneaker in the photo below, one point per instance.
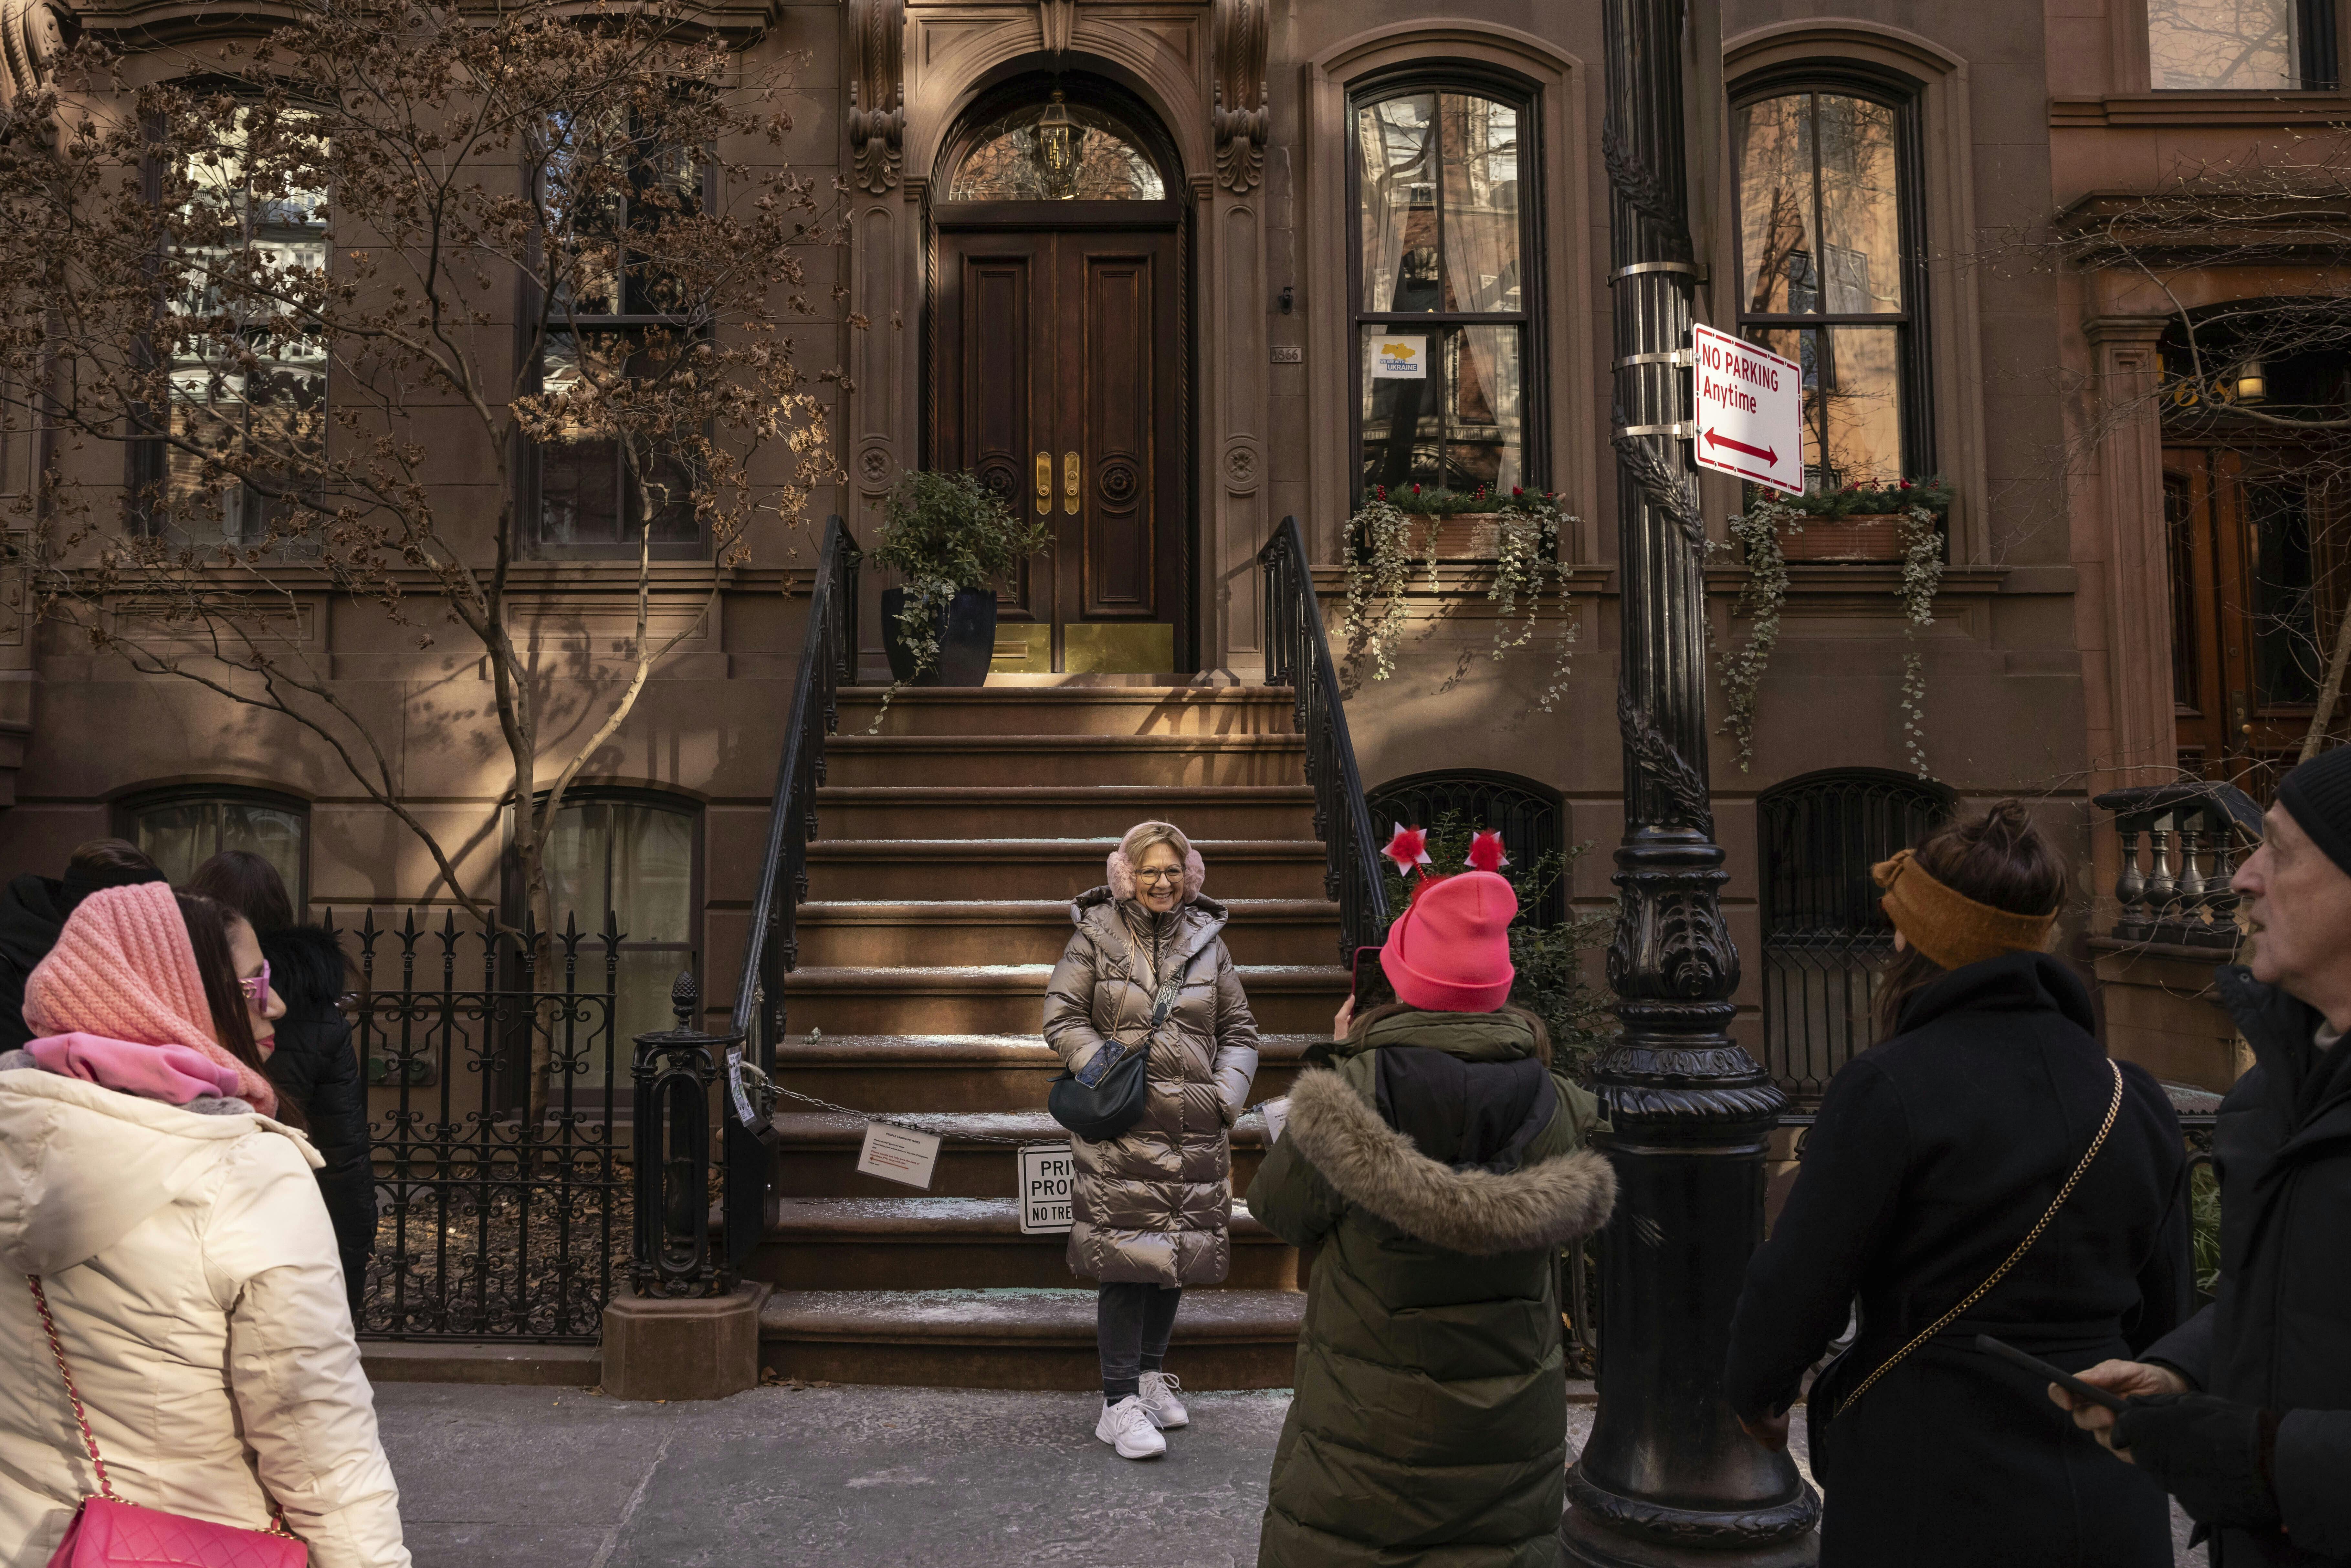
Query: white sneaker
1127,1426
1160,1402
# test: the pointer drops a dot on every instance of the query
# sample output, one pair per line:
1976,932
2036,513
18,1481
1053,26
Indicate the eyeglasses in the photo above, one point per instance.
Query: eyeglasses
256,990
1175,875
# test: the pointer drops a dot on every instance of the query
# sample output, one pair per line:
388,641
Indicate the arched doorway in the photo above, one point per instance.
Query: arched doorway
1059,373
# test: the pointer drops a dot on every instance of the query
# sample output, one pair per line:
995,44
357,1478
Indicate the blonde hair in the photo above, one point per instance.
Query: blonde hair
1138,842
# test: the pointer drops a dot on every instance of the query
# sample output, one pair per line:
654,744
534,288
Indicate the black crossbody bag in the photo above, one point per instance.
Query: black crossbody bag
1105,1109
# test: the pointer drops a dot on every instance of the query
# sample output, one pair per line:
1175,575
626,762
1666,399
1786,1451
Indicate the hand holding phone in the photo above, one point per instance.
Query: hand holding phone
2064,1380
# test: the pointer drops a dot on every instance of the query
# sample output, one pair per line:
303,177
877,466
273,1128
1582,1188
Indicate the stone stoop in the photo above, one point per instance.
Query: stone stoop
950,846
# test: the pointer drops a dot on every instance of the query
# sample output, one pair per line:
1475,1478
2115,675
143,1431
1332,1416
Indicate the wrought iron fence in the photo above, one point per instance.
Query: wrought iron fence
1300,659
491,1223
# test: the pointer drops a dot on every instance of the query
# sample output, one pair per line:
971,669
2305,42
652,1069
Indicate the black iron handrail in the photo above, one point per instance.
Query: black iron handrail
771,949
1300,658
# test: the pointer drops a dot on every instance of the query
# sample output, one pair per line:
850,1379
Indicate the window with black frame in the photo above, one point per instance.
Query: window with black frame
182,828
1824,937
247,244
1829,274
1443,307
615,324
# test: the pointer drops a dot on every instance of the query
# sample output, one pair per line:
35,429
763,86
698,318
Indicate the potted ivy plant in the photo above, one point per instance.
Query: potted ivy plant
951,539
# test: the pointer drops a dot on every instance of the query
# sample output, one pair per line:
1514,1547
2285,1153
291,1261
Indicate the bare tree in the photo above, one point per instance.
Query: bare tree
290,287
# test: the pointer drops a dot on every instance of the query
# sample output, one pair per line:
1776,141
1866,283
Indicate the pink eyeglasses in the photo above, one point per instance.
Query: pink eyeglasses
256,990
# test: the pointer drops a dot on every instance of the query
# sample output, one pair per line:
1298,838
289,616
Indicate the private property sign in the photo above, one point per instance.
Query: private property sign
1045,1173
1749,410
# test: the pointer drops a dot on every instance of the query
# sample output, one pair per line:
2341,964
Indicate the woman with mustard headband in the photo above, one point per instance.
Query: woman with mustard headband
1983,1169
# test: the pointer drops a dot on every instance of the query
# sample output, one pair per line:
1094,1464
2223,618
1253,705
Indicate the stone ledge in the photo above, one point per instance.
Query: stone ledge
531,1365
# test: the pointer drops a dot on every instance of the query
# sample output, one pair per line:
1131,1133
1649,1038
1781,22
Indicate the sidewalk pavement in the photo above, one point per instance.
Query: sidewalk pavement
849,1478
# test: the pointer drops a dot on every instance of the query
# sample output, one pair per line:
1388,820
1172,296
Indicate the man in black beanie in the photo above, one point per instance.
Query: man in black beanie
34,909
2245,1413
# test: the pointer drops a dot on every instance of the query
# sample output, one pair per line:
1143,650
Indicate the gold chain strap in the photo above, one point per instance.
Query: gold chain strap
2113,1108
82,1416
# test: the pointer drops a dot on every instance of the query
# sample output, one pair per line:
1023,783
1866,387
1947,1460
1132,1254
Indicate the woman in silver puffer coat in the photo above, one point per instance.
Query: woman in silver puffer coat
1152,1206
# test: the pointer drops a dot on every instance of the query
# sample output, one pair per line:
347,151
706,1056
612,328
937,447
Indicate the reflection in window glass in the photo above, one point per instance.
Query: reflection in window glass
594,489
1017,158
1822,271
2222,44
1441,230
635,860
183,834
2287,662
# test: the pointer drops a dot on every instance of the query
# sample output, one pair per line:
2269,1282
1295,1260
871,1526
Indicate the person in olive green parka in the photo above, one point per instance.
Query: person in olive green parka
1438,1164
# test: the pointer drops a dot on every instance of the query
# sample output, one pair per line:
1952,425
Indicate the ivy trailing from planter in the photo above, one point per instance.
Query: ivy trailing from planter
943,533
1382,566
1917,511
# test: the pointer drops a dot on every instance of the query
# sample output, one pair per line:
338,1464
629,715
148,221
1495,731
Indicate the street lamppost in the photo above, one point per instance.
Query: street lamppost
1668,1478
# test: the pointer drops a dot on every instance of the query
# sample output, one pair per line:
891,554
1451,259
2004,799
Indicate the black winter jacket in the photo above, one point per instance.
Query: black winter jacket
1933,1155
2278,1332
316,1066
32,913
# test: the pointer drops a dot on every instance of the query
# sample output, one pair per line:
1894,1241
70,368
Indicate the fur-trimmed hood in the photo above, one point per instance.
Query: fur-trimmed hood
1546,1204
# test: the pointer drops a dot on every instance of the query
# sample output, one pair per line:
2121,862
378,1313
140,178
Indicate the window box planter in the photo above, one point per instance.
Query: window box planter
1472,536
1863,536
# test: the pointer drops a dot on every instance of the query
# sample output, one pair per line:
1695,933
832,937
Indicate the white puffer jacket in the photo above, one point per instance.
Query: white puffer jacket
191,1270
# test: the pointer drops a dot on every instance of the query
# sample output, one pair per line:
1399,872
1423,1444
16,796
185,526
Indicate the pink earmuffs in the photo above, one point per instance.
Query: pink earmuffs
1121,870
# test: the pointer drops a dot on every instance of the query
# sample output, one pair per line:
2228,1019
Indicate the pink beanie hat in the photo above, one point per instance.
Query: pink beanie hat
123,967
1449,951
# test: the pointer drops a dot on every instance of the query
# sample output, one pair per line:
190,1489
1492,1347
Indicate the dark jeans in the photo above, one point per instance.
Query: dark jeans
1132,1323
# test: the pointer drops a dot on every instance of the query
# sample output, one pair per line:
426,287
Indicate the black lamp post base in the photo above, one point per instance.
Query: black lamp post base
1589,1544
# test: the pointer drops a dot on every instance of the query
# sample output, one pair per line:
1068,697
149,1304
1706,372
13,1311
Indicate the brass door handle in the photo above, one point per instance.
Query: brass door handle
1069,483
1044,483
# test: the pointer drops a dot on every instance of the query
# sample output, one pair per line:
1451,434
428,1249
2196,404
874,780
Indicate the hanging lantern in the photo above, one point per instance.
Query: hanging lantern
1056,145
2249,385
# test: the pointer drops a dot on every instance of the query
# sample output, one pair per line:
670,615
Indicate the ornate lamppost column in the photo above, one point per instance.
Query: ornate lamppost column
1667,1476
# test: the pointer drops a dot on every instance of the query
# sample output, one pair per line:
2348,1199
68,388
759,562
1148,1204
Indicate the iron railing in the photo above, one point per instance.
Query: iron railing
2177,892
1299,657
771,951
490,1224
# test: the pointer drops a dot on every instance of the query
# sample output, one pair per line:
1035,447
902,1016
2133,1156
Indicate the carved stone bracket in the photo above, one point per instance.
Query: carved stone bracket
31,34
1056,22
1238,116
877,90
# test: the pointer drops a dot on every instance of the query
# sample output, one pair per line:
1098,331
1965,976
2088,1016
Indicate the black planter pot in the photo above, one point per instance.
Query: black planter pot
966,638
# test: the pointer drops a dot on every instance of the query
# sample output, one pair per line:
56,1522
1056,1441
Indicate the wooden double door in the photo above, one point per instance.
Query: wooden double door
1059,379
2257,566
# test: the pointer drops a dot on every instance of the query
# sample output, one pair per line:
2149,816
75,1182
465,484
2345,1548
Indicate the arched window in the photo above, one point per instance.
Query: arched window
1524,812
181,829
1442,306
633,854
1057,151
1824,937
1829,244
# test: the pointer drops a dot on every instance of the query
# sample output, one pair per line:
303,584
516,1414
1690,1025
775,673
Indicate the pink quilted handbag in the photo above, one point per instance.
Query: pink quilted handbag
108,1532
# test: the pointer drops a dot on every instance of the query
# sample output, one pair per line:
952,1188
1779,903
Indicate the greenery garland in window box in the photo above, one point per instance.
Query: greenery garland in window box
1899,523
1392,541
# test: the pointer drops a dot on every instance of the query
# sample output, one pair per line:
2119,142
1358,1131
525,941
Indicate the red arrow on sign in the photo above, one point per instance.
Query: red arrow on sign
1717,438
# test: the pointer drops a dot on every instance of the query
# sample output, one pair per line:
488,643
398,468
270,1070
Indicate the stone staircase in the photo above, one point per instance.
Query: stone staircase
938,901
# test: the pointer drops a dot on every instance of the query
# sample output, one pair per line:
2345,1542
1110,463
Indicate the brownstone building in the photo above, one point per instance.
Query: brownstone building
1145,263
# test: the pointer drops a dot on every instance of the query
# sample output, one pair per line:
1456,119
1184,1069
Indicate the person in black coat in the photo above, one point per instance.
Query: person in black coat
2244,1414
314,1064
1933,1156
33,910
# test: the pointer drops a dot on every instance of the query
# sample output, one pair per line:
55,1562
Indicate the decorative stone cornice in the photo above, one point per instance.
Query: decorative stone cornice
1238,115
877,90
139,23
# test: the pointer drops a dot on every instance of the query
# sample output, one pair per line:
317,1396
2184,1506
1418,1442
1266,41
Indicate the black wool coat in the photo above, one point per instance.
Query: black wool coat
32,913
316,1065
2278,1332
1933,1155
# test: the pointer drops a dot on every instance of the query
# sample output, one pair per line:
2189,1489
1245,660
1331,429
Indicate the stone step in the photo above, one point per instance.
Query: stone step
1073,760
1006,998
964,1073
923,870
1072,710
1048,811
1032,1339
871,932
816,1155
921,1243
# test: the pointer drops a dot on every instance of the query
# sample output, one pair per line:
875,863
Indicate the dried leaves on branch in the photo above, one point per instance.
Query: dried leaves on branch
380,306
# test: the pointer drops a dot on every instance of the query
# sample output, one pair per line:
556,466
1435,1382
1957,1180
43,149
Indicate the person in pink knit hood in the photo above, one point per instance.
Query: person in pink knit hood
189,1267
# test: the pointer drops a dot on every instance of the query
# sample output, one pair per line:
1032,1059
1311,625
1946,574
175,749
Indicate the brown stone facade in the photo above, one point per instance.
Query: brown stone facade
2046,665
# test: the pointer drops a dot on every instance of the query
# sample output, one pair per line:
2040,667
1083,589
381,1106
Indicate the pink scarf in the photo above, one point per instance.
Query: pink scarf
123,969
172,1073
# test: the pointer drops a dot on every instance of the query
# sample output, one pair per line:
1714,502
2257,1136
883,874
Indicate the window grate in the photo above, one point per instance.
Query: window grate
1526,814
